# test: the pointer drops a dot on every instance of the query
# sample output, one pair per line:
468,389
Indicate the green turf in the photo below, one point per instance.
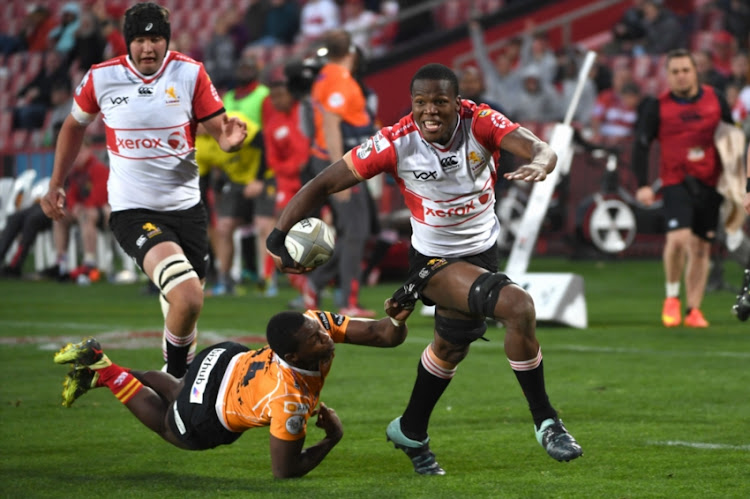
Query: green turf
659,412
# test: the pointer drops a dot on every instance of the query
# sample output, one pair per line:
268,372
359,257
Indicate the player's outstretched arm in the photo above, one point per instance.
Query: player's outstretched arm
290,460
524,144
388,332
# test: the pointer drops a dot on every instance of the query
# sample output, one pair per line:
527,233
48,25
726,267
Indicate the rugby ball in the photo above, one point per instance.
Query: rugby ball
310,242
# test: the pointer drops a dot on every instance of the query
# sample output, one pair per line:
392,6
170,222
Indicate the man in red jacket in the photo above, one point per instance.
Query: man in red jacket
683,120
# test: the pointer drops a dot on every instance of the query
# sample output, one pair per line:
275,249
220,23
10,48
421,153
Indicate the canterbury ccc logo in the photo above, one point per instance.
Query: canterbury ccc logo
146,90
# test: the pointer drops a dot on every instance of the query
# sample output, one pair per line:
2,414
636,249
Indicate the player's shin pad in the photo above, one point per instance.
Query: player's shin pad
408,294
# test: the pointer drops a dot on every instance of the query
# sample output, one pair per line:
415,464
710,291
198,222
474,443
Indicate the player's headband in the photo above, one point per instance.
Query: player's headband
146,19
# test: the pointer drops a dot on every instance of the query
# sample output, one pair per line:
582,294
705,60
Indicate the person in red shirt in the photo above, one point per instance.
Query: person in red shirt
86,205
287,153
683,120
287,148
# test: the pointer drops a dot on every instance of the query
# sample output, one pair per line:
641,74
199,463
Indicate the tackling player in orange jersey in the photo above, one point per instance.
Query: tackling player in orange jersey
229,388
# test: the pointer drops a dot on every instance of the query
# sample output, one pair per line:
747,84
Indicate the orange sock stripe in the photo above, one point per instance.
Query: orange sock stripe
130,389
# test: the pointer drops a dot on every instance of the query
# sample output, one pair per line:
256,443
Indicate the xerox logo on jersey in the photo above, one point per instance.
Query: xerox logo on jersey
149,143
177,140
453,212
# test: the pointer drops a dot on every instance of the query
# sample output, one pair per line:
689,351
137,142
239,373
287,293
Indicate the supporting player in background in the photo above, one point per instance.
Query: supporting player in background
230,388
742,306
150,101
683,120
441,156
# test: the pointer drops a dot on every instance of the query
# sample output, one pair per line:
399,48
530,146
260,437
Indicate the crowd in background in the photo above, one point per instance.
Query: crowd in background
526,77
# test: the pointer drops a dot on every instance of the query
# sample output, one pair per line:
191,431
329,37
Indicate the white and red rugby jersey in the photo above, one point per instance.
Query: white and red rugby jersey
150,126
450,190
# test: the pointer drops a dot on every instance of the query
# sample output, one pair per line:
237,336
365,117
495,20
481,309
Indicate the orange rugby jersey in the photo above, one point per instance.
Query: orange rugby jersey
335,90
261,389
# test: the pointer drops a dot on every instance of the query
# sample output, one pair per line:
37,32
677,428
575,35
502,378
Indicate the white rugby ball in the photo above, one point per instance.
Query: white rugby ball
310,242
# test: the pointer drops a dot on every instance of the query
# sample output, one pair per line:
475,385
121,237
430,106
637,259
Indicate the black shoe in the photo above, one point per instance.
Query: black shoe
420,454
8,272
556,440
742,307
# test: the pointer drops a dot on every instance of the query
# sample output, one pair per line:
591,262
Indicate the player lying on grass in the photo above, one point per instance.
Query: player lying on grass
229,388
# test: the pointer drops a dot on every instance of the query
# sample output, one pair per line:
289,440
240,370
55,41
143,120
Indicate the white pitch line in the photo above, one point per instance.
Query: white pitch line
225,333
701,445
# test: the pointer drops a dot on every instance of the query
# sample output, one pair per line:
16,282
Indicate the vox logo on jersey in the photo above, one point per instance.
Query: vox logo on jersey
425,175
116,101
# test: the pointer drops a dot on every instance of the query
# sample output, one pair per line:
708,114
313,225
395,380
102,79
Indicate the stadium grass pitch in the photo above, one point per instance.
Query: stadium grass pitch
659,412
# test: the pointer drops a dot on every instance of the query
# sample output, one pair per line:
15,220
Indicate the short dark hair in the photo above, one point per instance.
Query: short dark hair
281,332
435,71
677,53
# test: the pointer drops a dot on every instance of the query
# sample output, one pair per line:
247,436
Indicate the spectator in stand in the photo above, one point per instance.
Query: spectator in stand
501,81
536,51
254,22
89,45
282,23
86,205
416,24
61,98
707,74
318,17
33,33
382,38
186,43
22,226
740,70
34,99
736,20
663,30
360,23
471,86
615,114
110,25
536,102
723,48
569,68
630,29
62,37
219,54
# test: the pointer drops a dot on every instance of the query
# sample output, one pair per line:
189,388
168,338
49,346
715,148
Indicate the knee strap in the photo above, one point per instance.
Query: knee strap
485,291
459,331
171,271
